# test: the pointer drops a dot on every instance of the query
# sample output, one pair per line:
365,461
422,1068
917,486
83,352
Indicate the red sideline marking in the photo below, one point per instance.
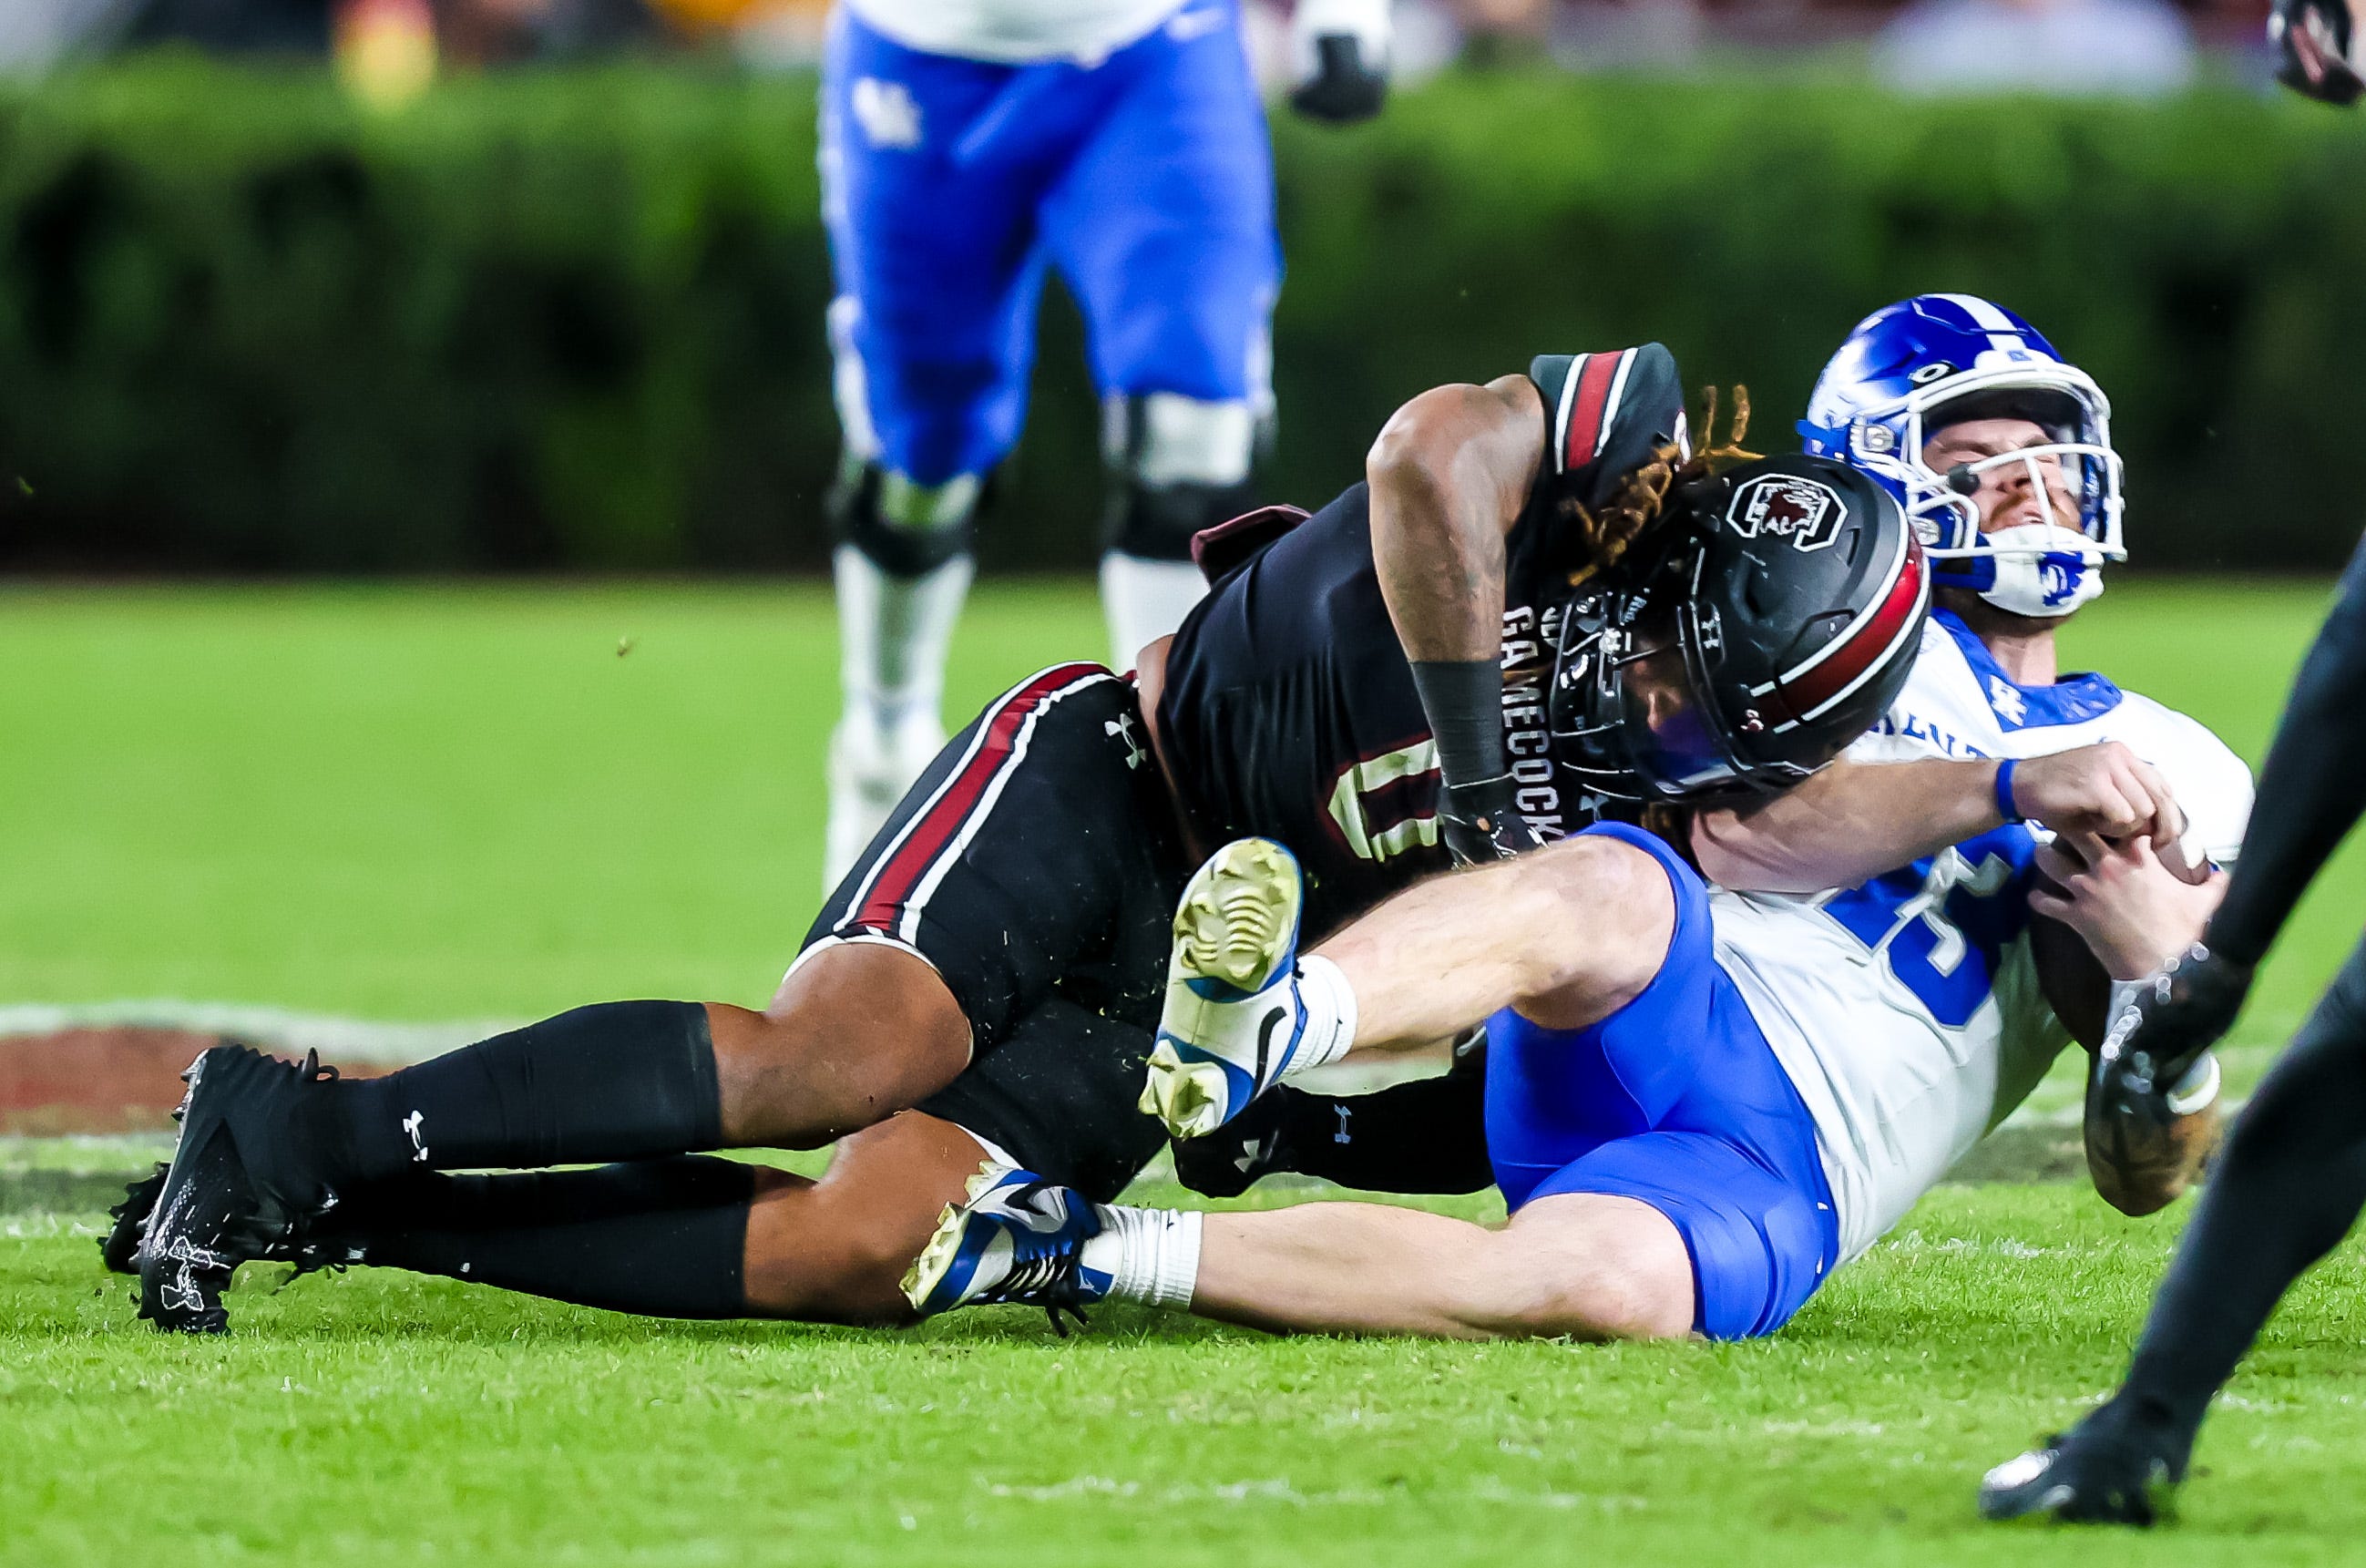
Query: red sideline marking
925,838
125,1079
1584,432
1872,638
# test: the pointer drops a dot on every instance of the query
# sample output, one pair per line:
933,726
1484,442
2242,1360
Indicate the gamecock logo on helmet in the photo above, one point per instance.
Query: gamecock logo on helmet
1784,506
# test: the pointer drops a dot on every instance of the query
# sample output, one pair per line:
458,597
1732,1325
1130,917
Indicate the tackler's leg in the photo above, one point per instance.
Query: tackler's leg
696,1238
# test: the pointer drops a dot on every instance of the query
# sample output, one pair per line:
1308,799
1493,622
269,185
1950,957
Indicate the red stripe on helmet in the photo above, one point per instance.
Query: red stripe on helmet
1860,649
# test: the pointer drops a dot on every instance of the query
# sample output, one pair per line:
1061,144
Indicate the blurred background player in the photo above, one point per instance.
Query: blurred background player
968,145
2294,1178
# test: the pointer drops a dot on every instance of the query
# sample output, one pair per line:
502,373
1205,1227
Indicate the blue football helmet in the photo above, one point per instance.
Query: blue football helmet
1912,369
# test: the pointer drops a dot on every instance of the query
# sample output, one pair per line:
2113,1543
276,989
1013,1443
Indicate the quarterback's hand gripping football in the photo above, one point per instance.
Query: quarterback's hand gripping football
2317,49
1233,1020
2161,1033
1343,48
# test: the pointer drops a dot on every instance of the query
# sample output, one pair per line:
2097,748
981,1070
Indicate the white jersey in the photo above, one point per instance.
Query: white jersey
1014,32
1908,1012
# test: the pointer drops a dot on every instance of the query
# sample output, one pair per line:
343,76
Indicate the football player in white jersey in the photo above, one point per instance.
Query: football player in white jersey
967,146
1700,1103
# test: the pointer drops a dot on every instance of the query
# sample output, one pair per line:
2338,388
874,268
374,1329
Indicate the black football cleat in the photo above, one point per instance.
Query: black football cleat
120,1247
238,1188
2102,1471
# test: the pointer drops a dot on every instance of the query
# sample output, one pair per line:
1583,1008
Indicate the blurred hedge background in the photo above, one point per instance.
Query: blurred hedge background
574,319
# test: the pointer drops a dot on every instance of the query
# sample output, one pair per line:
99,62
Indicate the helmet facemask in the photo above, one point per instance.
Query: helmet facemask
2040,570
1646,726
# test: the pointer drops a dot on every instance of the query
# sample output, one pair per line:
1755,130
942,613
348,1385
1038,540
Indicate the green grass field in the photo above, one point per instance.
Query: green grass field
426,803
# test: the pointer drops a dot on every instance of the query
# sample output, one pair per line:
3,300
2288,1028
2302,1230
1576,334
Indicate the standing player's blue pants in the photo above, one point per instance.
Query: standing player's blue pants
951,184
1675,1099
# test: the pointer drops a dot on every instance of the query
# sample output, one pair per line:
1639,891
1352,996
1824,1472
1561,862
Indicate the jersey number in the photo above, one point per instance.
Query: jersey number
1386,807
1942,923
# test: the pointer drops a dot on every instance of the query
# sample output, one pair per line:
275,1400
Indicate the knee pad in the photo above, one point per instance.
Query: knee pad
1179,465
904,529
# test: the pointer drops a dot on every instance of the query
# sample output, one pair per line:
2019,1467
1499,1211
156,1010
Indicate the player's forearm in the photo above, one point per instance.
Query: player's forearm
1439,555
1449,474
2313,785
1847,824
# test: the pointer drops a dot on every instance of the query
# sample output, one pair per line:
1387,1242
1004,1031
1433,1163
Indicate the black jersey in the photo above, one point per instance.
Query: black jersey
1290,710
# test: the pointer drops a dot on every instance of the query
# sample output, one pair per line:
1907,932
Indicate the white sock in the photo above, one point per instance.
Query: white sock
1152,1256
1330,1015
892,637
1144,599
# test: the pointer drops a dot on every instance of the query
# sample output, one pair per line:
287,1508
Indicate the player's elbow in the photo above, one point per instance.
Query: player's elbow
1443,444
1415,451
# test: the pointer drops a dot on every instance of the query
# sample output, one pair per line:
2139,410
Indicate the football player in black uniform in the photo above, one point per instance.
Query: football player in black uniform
991,974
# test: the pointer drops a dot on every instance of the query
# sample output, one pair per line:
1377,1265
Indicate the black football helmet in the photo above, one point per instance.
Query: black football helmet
1775,618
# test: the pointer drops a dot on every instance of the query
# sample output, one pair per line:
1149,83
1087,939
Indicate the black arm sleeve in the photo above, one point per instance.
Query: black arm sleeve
2313,785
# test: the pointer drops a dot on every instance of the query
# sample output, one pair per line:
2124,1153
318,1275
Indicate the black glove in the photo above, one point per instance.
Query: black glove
2181,1010
1481,824
2316,43
1345,87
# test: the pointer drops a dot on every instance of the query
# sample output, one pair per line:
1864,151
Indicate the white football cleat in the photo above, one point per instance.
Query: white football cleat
1014,1239
872,768
1233,1019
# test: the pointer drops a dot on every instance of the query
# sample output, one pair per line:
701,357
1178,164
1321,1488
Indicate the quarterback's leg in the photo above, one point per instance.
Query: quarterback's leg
931,333
1567,935
1164,227
1664,1176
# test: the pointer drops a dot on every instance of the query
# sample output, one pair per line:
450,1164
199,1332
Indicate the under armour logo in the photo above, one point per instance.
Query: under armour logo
1121,727
1342,1135
412,1124
885,111
2006,698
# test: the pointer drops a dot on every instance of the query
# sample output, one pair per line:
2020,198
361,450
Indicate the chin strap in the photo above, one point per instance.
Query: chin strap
2043,586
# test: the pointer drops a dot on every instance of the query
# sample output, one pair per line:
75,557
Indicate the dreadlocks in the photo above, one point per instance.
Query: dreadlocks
1641,497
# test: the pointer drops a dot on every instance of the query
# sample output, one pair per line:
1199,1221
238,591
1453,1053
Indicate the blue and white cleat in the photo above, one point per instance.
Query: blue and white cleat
1233,1019
1015,1240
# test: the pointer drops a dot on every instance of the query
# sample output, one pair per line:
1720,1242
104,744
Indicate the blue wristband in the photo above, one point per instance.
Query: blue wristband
2004,790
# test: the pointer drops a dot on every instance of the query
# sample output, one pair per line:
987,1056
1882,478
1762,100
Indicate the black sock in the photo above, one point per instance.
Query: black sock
1429,1136
660,1238
617,1081
2286,1190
